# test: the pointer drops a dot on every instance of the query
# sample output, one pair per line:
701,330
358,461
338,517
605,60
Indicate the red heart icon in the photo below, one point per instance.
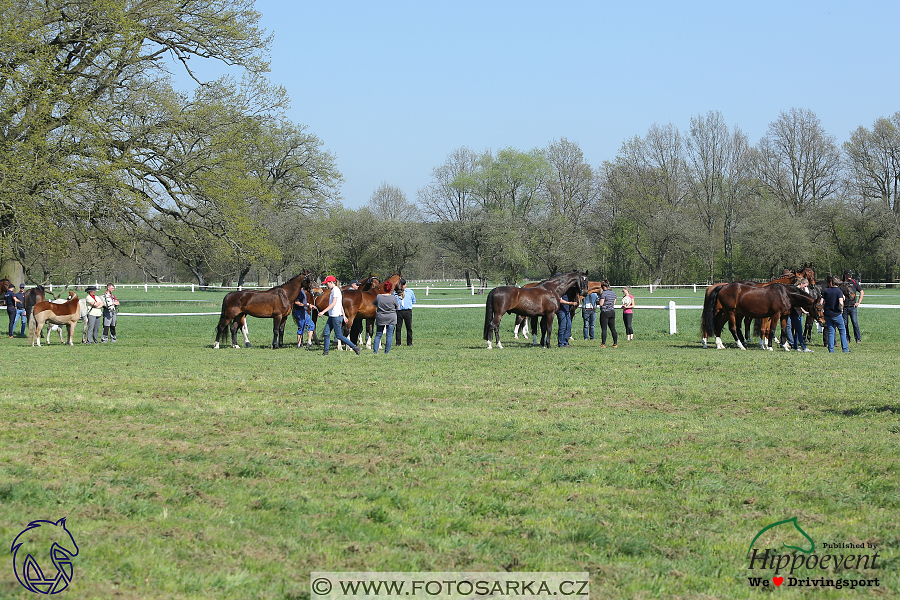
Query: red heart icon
777,581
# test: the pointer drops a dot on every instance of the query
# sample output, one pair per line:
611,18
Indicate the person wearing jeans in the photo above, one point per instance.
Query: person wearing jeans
833,305
336,317
386,305
589,314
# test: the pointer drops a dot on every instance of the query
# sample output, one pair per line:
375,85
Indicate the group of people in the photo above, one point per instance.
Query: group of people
840,314
15,308
103,309
100,309
393,310
605,304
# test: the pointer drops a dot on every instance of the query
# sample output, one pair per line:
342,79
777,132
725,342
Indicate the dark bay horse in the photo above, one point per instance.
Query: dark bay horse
788,279
521,324
739,300
32,297
275,303
541,300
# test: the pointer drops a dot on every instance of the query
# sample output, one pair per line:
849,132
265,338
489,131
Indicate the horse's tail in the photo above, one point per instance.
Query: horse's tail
32,326
488,315
757,328
708,320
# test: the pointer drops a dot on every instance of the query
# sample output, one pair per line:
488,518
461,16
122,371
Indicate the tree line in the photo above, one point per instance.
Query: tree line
108,172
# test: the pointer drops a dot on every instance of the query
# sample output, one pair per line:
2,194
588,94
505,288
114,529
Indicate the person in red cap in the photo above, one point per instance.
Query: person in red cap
336,316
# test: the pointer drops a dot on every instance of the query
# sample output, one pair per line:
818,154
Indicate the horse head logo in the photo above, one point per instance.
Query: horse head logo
40,545
791,521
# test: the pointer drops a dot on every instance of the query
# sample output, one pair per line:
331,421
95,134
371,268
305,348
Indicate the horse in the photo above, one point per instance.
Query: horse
82,311
741,300
275,303
521,324
787,279
541,300
68,313
357,303
32,297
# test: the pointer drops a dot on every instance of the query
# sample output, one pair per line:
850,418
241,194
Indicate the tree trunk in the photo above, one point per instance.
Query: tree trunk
14,270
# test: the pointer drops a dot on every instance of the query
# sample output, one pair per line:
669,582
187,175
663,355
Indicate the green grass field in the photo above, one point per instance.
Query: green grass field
188,472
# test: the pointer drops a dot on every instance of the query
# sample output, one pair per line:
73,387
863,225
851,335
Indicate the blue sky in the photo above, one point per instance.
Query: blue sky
391,88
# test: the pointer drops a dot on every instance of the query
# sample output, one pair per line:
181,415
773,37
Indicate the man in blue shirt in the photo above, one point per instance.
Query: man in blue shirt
404,314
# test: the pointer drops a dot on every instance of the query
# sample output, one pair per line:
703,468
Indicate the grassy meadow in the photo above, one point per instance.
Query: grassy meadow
188,472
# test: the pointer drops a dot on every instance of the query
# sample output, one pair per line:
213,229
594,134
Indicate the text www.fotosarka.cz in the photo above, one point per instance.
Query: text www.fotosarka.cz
457,585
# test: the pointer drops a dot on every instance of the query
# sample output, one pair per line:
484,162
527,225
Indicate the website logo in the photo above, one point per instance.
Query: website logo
42,556
799,565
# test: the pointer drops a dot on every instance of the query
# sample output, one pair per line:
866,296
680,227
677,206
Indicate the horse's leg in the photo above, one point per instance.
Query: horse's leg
245,329
233,328
534,329
516,325
276,324
71,330
370,329
785,345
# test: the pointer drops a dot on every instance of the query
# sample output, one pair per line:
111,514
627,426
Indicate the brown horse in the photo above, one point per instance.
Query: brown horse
32,297
275,303
788,279
358,303
741,300
66,313
541,300
521,323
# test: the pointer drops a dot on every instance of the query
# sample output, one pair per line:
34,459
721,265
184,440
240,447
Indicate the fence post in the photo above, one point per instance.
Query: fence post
426,290
473,289
695,288
192,288
673,325
145,287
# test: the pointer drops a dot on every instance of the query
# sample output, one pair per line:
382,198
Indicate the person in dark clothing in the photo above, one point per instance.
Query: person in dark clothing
833,306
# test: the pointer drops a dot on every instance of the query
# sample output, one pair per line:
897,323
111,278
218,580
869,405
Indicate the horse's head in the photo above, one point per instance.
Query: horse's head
72,295
5,284
311,285
807,271
43,543
394,279
369,282
582,284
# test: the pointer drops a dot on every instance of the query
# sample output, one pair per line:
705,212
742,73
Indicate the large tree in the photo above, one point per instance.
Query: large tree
87,105
797,162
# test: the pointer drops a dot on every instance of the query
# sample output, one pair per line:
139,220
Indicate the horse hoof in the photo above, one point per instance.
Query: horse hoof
235,346
247,345
216,346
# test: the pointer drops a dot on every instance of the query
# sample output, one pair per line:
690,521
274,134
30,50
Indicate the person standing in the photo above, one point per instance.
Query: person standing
795,326
20,310
386,305
856,296
627,312
608,314
303,316
94,313
564,320
589,314
404,313
336,316
833,305
110,311
9,298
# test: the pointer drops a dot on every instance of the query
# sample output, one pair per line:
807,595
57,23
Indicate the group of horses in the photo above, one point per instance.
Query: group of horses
277,304
532,301
63,312
764,304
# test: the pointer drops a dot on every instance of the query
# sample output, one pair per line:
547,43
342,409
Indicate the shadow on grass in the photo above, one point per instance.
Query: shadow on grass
855,411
